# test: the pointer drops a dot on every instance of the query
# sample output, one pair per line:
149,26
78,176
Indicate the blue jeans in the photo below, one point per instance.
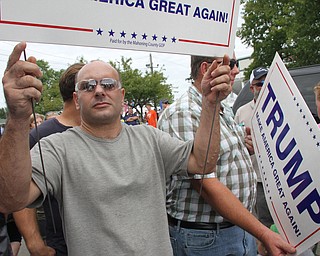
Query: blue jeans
232,241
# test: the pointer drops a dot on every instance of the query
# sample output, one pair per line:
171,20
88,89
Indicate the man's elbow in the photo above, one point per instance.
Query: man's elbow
14,200
12,206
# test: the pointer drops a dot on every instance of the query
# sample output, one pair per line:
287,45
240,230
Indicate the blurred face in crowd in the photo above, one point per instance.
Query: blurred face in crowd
99,95
256,86
234,69
38,120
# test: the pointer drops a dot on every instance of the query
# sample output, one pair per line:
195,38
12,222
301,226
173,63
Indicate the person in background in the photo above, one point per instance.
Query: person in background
165,104
5,248
14,235
317,95
243,117
26,219
205,225
102,204
39,120
131,118
51,114
151,117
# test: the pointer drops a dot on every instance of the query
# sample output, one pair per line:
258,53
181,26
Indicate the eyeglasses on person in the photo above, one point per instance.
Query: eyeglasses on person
232,63
108,84
259,84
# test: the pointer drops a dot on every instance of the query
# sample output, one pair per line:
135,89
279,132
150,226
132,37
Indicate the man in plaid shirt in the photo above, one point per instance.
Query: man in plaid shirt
196,228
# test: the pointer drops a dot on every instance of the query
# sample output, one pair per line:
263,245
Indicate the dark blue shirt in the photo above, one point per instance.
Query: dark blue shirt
54,240
134,122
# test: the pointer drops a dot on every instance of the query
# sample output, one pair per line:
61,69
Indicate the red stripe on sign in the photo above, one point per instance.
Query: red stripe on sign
200,42
17,23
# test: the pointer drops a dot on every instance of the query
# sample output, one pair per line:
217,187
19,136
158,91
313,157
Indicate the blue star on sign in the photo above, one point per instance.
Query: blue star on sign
99,32
123,34
111,32
134,35
173,39
144,36
164,39
154,37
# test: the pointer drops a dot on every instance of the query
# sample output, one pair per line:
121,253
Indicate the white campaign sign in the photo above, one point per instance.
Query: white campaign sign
199,27
287,145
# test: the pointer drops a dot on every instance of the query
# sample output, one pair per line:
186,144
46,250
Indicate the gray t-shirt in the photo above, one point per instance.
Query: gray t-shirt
112,192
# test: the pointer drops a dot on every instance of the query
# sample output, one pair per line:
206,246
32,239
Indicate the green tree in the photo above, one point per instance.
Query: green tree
289,27
3,113
142,88
51,99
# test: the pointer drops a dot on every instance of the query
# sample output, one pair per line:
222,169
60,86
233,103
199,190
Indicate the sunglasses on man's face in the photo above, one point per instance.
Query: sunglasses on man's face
259,84
108,84
232,63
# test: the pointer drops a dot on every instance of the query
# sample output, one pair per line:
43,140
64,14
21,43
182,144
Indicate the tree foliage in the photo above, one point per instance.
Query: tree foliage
51,99
3,113
142,88
289,27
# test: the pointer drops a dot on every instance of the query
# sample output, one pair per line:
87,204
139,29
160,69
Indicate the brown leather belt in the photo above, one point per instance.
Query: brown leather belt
199,225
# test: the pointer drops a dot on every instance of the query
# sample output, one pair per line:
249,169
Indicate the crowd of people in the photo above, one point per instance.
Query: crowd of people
187,188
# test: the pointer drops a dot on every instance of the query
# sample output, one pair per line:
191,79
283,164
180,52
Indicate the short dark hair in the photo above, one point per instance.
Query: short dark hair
67,81
196,62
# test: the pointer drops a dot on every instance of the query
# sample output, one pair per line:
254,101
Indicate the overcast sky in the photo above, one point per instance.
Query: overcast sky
175,67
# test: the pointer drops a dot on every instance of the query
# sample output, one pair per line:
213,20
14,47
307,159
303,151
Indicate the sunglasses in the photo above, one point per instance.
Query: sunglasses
232,63
108,84
259,84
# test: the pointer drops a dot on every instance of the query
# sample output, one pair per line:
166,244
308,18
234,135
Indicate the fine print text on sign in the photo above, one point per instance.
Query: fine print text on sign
287,146
188,27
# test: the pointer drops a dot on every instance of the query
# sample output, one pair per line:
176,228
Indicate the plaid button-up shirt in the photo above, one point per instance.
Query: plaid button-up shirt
234,168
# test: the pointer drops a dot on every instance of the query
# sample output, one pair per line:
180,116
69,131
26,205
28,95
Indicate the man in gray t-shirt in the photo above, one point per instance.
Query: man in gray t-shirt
107,207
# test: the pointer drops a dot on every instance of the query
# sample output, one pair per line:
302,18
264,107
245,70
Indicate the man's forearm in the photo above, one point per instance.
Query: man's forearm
26,221
227,205
15,166
208,133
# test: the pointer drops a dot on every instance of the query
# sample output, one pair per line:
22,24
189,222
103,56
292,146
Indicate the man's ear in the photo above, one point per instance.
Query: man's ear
204,67
123,91
76,100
